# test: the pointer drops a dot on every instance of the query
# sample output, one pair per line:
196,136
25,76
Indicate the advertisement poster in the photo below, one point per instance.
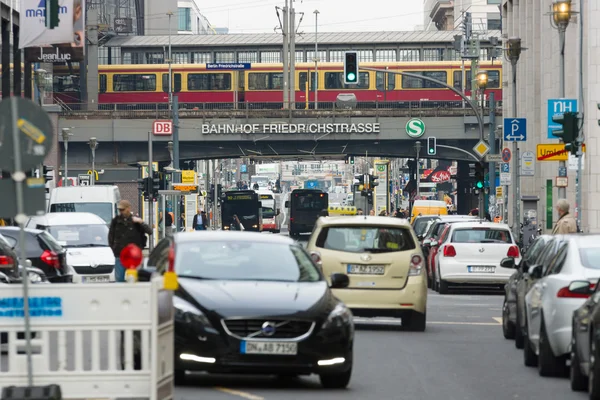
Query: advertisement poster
382,195
191,208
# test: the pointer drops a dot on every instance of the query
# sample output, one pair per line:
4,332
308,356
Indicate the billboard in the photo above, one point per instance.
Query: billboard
61,44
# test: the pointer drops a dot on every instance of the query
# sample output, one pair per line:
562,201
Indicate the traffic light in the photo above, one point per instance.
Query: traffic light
155,187
467,25
359,182
373,181
46,173
479,176
51,13
351,160
351,68
369,197
568,132
431,146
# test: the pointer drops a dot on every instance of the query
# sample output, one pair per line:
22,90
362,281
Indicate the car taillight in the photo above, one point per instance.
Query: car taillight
416,265
51,258
449,251
291,219
172,259
316,257
513,251
6,262
565,293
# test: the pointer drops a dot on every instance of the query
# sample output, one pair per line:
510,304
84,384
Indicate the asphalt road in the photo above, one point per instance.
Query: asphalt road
461,356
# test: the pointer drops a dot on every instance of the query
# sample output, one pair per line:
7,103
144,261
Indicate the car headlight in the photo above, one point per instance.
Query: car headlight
186,312
340,316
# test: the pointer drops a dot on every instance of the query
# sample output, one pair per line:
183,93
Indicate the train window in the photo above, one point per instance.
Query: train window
302,81
102,84
218,81
134,82
335,80
265,81
380,78
493,79
66,83
176,83
418,83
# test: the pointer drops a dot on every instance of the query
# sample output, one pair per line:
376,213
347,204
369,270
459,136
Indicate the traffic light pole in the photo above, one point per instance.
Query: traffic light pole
562,165
418,177
150,200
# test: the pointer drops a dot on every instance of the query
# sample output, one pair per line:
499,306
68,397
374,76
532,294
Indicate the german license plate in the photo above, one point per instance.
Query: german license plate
486,269
95,279
366,269
269,348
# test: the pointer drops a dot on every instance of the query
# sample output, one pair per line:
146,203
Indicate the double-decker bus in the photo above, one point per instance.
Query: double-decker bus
246,205
304,206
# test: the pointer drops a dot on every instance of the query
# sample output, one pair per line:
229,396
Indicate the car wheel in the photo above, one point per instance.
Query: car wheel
579,382
429,282
338,380
417,322
443,289
530,359
519,337
179,377
593,382
508,328
548,363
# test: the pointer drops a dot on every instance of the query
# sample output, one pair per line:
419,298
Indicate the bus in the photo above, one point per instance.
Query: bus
246,205
270,212
304,208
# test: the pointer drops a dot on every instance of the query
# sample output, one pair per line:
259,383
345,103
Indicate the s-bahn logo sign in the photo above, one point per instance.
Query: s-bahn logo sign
335,128
415,128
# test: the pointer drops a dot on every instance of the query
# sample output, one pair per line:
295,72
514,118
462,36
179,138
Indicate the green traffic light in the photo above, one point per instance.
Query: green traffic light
479,185
431,151
351,76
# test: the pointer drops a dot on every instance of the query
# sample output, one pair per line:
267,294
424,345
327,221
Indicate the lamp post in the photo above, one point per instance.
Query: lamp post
418,167
482,82
93,146
170,60
513,53
66,132
316,12
559,19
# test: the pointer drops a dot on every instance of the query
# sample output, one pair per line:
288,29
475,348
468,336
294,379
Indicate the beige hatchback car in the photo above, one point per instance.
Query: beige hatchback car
383,259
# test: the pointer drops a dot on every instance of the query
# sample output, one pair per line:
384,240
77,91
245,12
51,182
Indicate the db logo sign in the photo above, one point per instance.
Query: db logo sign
162,127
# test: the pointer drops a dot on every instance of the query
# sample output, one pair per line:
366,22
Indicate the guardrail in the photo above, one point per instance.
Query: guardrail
95,341
424,108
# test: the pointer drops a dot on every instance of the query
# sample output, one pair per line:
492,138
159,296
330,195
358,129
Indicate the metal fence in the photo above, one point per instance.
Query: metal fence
424,108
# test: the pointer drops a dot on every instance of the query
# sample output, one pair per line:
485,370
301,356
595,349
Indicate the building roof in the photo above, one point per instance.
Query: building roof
275,39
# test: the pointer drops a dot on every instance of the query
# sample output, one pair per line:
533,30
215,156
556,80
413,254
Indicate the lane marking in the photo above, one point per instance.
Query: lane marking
498,319
238,393
398,322
463,323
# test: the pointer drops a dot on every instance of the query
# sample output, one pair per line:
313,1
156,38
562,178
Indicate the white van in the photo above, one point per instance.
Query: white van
101,200
85,238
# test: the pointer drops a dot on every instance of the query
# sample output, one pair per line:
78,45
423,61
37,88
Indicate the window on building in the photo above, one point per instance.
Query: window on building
134,82
418,83
336,56
310,56
155,57
181,57
409,55
224,57
299,56
270,57
385,55
494,21
209,81
335,80
365,56
265,81
433,54
248,57
185,19
302,81
199,57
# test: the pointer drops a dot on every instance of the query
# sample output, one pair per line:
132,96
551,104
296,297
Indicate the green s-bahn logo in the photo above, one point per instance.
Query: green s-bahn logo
415,128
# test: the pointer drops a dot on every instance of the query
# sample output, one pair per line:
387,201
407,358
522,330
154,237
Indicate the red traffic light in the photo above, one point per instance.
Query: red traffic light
131,256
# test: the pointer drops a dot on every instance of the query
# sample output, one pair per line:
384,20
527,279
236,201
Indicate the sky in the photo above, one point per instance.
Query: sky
259,16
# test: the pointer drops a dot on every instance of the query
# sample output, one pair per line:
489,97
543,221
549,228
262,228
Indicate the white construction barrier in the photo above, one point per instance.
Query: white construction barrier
102,341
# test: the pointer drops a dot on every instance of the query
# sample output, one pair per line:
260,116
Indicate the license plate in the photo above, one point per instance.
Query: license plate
95,279
269,348
482,268
366,269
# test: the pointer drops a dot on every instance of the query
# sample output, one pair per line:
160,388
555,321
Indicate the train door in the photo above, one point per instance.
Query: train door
240,84
305,91
176,83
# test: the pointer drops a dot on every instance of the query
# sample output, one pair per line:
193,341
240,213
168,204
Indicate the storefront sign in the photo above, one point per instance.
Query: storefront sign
231,129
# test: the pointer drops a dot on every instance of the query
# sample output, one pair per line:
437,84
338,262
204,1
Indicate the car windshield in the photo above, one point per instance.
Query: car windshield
373,239
590,257
310,202
421,224
80,235
103,210
245,260
481,235
268,212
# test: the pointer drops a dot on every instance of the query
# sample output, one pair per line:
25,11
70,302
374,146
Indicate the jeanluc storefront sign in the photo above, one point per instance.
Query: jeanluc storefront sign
334,128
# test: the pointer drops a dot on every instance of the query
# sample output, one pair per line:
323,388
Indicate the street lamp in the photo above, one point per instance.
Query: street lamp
93,146
66,132
170,14
482,82
170,148
561,13
418,148
482,79
316,12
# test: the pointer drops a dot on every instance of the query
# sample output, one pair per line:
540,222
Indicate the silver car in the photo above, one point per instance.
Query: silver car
550,304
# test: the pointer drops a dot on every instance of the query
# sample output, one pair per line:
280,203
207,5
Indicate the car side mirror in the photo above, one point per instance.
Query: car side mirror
535,271
339,281
434,243
427,243
287,204
145,274
508,263
580,287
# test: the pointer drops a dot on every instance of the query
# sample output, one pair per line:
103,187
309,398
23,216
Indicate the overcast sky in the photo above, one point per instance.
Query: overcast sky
258,16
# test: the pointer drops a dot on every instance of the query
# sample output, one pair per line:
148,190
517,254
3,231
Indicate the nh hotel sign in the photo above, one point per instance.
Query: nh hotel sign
231,129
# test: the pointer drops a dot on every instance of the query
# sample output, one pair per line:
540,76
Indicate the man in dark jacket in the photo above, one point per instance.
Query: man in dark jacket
126,229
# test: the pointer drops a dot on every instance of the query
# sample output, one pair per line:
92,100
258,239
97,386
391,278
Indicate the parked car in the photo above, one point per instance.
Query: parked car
471,253
551,301
43,251
510,322
385,264
85,237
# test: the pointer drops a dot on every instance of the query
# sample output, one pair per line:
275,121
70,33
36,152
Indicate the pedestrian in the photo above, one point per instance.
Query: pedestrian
382,213
359,211
198,223
204,220
169,223
372,212
566,223
126,229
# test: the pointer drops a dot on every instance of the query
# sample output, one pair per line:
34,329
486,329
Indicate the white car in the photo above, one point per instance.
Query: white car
550,303
85,238
471,253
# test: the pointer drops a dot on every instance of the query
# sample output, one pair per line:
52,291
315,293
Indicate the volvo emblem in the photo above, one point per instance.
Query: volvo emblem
481,250
365,257
268,329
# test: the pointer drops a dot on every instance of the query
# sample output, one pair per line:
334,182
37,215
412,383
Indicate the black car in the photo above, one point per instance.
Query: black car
250,303
43,252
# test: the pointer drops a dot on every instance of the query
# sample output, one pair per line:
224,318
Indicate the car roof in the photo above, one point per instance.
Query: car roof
69,218
585,240
10,229
239,236
363,220
477,224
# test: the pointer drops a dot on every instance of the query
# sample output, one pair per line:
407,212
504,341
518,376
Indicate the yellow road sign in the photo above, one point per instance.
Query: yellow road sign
183,187
553,152
499,192
481,148
188,176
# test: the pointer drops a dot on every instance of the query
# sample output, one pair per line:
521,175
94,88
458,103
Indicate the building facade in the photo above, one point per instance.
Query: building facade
190,21
446,15
538,81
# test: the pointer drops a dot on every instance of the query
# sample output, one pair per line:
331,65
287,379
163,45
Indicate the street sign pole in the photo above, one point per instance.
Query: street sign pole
150,201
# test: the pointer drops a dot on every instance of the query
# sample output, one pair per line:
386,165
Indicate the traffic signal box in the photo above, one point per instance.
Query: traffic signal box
431,146
51,13
351,68
569,131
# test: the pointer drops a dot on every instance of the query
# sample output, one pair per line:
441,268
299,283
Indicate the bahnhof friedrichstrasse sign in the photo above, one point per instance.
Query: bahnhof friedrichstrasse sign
334,128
